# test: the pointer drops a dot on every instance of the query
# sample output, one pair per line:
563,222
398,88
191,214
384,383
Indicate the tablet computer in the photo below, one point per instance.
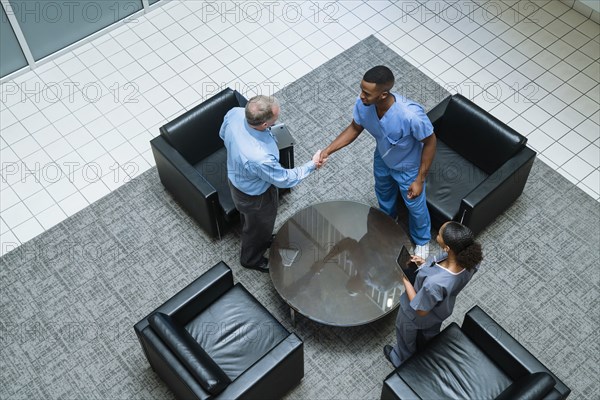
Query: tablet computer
408,267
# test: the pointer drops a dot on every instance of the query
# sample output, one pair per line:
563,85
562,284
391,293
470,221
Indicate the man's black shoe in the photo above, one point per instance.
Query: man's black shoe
263,266
387,349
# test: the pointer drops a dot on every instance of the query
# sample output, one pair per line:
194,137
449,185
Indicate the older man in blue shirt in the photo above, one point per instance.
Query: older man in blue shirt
405,146
254,173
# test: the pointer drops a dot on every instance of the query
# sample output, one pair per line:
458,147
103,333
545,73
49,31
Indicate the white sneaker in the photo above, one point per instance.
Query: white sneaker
422,251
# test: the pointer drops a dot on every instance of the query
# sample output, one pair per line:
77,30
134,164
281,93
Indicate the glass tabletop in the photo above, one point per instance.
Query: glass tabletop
335,263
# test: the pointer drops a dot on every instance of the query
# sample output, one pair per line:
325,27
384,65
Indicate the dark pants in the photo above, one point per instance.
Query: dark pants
406,336
257,214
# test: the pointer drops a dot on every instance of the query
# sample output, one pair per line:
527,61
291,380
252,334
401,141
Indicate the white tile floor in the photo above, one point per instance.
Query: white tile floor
79,126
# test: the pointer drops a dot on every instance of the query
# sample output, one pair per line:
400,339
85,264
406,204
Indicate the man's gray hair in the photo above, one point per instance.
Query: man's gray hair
259,109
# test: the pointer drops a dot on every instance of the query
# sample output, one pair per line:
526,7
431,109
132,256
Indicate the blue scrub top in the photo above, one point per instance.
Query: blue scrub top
399,133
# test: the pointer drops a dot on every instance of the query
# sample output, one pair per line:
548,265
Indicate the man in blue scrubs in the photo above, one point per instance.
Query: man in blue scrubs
404,151
254,174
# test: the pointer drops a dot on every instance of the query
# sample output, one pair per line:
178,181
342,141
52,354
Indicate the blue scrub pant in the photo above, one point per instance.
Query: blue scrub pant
387,183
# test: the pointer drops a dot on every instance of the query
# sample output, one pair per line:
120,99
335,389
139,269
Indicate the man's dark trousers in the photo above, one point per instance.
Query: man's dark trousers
257,214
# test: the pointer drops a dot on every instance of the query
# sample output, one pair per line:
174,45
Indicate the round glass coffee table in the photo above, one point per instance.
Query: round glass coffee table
335,263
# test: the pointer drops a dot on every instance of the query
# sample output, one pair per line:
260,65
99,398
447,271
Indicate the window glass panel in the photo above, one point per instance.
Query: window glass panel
150,2
50,25
11,55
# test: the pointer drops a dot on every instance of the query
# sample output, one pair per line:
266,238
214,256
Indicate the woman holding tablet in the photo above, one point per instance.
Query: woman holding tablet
430,301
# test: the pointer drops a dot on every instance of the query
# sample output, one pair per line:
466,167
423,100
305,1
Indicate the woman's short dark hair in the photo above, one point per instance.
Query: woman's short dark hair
461,241
380,75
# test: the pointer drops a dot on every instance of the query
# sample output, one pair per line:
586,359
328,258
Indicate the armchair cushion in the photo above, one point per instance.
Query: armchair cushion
451,177
236,331
190,353
455,368
530,387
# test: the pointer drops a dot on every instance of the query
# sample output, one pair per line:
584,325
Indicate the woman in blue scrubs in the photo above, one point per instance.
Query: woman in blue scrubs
430,301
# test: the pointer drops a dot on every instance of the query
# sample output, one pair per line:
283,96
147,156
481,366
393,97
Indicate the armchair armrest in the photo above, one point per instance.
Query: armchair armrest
394,388
496,193
514,359
189,352
187,186
173,157
169,368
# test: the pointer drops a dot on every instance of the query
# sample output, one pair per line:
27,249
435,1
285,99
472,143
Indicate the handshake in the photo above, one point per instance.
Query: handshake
320,158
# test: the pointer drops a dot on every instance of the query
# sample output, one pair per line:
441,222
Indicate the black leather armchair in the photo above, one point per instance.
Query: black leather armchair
214,340
191,160
480,167
479,360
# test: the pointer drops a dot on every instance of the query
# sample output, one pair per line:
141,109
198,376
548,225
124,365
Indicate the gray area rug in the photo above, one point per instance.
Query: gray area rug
70,297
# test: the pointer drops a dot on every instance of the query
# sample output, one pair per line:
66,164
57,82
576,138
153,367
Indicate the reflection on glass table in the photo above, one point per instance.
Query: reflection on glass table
335,263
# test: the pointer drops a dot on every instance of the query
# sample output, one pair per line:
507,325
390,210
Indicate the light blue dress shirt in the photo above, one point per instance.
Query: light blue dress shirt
399,133
253,157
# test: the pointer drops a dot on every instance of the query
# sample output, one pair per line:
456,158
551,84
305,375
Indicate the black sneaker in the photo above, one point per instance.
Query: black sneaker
387,350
